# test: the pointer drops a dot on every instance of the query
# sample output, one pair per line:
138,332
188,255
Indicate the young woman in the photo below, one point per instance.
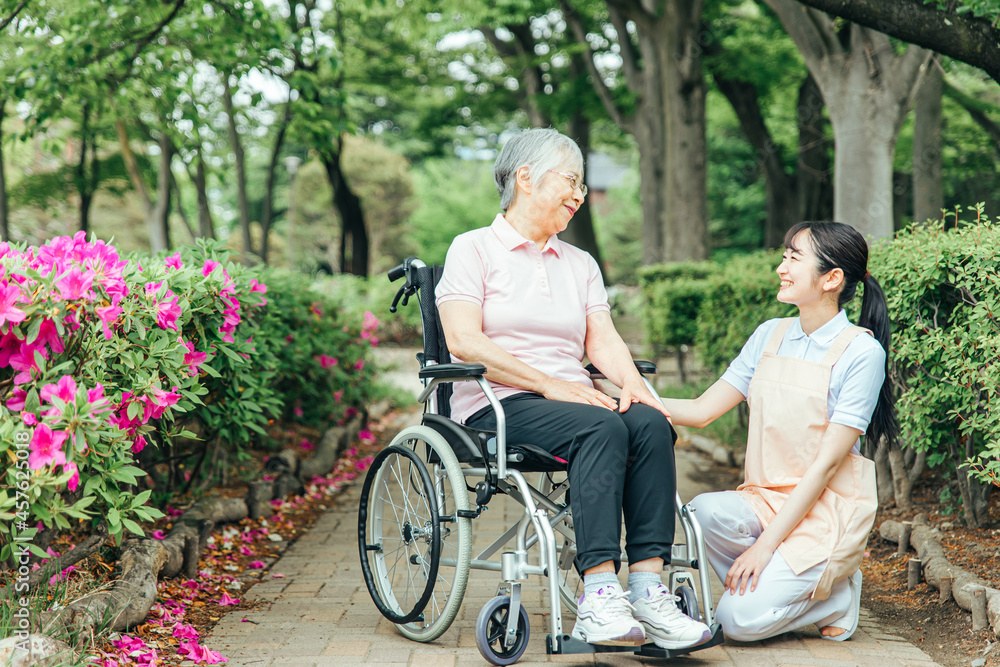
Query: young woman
788,542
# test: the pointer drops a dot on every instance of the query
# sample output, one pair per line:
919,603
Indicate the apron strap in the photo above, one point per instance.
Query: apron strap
778,335
841,343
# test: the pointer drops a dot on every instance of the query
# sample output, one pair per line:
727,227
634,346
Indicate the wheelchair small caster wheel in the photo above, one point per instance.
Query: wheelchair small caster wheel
491,625
688,602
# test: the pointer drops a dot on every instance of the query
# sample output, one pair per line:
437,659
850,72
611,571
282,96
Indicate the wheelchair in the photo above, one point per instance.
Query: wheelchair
415,517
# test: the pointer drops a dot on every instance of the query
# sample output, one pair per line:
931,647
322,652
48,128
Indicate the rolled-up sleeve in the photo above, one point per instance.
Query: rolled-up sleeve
863,380
464,275
597,294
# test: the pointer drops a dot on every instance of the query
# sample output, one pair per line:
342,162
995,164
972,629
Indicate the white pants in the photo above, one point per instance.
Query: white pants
781,600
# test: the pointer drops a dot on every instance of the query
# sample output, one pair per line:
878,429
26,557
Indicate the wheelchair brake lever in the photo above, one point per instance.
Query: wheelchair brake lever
392,308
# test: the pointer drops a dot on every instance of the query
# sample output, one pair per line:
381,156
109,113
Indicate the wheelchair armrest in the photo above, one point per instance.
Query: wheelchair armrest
644,368
444,371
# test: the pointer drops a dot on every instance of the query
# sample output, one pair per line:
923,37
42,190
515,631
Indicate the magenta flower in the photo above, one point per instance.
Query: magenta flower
364,464
75,284
326,361
361,364
225,600
129,644
17,398
370,322
306,445
46,447
167,312
108,315
174,261
97,400
317,311
10,295
193,359
138,444
158,535
257,564
29,418
74,480
209,266
259,287
158,403
198,653
64,390
153,288
48,334
337,395
182,631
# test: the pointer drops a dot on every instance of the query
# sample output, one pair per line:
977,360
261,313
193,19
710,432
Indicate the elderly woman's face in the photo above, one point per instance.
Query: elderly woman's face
559,194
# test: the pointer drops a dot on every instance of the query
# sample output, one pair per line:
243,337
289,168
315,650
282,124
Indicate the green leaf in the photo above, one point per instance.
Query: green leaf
132,526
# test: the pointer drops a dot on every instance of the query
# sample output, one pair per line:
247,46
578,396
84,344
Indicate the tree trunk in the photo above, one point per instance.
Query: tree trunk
975,494
157,242
906,470
161,211
354,234
206,228
813,188
4,212
782,203
268,212
928,193
241,179
883,476
580,231
868,90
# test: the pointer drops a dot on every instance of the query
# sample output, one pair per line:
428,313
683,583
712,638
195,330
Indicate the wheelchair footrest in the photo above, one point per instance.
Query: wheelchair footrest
567,644
654,651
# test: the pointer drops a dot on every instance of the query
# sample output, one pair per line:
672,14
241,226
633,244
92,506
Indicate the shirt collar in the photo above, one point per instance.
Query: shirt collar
510,238
826,334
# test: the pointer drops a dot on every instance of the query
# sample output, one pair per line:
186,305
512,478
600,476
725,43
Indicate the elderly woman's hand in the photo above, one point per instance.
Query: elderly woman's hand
574,392
635,390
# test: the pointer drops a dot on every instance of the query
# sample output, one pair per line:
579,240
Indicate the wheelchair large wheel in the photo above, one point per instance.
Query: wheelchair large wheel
413,543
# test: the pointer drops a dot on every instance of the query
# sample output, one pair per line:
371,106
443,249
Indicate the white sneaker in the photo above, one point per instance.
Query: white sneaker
605,617
664,622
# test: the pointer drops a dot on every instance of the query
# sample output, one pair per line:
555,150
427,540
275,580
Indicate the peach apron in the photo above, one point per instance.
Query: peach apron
788,417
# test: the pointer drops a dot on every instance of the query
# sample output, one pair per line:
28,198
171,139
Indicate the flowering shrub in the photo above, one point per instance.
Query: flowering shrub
102,356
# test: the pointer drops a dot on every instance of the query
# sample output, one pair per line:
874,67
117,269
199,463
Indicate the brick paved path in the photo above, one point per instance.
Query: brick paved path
321,613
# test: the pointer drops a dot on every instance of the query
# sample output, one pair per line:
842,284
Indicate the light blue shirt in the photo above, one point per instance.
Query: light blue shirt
855,380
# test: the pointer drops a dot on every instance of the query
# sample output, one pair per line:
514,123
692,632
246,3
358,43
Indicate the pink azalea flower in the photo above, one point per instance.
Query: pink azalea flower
75,284
306,445
225,600
108,315
48,334
46,447
277,575
167,312
138,444
370,321
62,576
10,295
158,535
209,266
246,551
174,261
193,359
64,390
151,658
364,464
182,631
17,398
158,403
326,361
153,288
74,480
258,287
317,311
257,564
297,410
366,436
350,412
97,400
129,644
289,338
29,418
198,653
337,395
361,364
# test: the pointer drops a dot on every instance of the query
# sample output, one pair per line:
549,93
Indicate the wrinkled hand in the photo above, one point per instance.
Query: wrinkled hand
636,391
747,568
574,392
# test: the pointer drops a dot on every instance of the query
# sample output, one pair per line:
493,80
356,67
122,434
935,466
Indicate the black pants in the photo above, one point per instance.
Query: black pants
617,463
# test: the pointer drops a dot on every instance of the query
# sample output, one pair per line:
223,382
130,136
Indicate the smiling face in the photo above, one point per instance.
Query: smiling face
556,198
801,283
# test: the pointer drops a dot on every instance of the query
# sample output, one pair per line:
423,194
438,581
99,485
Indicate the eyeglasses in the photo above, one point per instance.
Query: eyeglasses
574,182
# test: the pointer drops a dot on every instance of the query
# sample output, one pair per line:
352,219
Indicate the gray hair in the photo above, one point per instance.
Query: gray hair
539,149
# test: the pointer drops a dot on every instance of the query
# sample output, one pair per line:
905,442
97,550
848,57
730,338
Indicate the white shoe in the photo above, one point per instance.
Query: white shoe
605,617
664,622
849,621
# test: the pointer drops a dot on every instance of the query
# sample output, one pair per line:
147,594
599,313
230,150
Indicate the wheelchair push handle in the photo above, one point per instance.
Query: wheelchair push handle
409,269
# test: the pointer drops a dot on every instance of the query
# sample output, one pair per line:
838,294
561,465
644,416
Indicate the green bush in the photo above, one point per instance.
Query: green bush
943,290
738,298
673,295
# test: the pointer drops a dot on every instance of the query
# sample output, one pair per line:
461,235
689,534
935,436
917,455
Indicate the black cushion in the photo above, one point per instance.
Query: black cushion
644,367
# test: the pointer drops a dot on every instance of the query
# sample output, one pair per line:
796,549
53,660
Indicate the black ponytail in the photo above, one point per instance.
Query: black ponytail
840,246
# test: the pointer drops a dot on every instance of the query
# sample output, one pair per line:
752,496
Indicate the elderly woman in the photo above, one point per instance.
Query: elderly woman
516,299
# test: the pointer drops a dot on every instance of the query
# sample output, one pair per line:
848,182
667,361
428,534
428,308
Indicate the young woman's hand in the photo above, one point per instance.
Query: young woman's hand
747,568
635,391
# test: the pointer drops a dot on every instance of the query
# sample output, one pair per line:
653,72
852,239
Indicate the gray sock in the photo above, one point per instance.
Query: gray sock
639,582
594,582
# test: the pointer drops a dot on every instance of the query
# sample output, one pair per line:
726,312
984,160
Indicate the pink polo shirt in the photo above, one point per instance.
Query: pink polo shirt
535,303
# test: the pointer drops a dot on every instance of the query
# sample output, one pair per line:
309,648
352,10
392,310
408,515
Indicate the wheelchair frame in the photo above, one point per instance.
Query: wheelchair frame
502,628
